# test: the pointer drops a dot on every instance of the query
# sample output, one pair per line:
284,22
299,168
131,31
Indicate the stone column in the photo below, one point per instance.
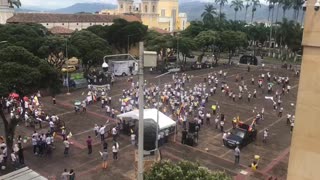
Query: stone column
5,11
305,147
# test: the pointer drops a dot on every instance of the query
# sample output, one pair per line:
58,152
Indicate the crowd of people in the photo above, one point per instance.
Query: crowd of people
189,104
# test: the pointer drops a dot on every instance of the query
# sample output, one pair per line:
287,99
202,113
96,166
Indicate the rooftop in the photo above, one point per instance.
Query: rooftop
56,18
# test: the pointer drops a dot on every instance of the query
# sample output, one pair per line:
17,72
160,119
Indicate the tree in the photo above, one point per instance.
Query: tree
13,3
29,36
237,5
208,14
101,31
54,50
23,73
207,40
221,3
270,8
255,4
164,170
123,33
87,44
247,6
231,40
297,6
159,43
286,5
194,29
184,46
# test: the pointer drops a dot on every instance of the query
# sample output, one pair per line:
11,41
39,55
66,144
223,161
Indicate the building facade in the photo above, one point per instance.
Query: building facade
305,146
5,11
162,14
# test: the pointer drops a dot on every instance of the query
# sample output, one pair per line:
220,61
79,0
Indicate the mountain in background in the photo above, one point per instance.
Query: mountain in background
193,8
85,7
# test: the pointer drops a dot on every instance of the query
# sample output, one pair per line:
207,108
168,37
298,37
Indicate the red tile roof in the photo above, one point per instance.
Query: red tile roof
60,18
60,30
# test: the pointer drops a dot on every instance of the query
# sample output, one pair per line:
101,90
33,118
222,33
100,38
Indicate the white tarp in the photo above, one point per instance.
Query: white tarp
164,121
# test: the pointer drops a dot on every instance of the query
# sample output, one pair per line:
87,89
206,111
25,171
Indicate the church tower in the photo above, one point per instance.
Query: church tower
125,6
5,11
150,12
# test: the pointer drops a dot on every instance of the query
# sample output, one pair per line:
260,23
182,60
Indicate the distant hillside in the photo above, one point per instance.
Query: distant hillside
85,7
195,9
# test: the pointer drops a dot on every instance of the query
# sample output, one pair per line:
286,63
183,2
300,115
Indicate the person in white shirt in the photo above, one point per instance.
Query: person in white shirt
208,116
133,139
114,133
115,149
66,147
96,129
102,132
265,135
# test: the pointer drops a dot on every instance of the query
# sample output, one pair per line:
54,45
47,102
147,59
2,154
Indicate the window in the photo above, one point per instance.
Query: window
153,9
163,12
121,6
145,8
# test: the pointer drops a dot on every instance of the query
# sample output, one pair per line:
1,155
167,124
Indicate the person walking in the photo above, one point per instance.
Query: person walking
72,175
89,144
102,132
265,135
104,156
115,149
66,147
133,138
237,155
65,175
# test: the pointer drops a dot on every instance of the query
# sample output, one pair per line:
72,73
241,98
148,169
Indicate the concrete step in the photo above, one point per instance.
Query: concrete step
23,174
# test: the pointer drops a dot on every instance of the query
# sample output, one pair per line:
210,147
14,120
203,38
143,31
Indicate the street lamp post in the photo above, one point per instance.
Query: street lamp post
68,93
158,106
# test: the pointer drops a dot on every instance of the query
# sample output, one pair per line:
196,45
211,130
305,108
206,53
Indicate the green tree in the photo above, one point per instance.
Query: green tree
247,6
207,40
54,49
255,4
29,36
231,40
123,33
159,43
237,5
286,5
101,31
164,170
184,46
23,73
91,48
297,6
208,14
221,3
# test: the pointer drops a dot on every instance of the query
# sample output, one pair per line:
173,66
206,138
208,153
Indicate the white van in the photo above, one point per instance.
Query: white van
124,68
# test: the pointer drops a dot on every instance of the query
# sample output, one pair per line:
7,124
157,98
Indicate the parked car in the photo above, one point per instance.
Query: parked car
248,59
171,67
241,136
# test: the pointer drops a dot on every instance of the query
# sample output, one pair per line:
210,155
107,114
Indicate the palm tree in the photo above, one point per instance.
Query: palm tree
13,3
208,14
255,4
297,5
270,8
221,3
237,5
247,6
278,2
286,5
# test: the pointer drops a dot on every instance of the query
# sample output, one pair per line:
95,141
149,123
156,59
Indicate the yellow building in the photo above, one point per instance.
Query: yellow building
163,14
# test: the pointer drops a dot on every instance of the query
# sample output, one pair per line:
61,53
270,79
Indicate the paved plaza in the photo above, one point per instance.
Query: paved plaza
209,152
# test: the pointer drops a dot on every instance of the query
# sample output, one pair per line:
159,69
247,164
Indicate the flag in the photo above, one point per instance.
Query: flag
54,134
69,135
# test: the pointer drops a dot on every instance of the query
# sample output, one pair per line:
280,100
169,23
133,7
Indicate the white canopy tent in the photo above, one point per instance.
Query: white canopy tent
164,121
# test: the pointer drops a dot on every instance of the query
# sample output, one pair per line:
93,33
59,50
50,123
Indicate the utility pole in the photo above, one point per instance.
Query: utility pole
270,44
68,93
141,118
158,106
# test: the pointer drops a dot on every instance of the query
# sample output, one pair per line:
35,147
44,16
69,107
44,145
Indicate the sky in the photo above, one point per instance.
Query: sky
54,4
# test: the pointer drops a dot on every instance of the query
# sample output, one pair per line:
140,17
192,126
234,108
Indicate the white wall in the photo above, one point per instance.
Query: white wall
75,25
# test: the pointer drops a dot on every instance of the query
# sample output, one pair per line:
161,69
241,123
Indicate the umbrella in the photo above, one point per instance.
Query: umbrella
25,98
14,95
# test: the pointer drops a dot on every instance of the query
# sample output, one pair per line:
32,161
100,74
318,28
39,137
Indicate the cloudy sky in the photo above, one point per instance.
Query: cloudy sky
53,4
